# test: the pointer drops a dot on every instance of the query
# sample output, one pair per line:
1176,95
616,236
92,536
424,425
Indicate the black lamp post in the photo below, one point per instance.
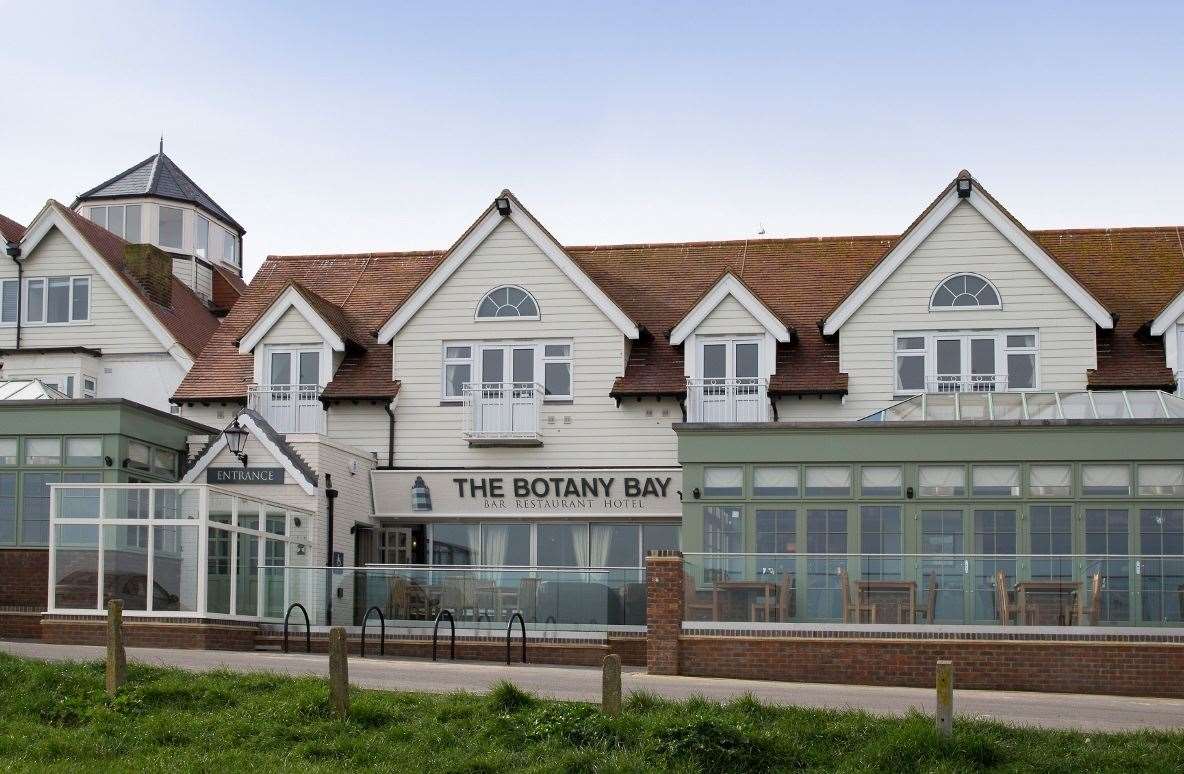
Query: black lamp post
236,439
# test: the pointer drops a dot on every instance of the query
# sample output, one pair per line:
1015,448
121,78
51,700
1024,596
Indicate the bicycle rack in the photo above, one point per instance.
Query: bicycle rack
510,633
381,631
436,631
307,627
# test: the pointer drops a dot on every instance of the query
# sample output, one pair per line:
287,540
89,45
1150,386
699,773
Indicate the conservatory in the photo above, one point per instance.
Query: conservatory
175,551
991,509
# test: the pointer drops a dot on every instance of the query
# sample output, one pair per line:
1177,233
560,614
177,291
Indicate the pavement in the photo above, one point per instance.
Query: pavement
1048,710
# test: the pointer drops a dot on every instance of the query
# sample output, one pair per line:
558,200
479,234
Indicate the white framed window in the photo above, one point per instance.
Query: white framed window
508,301
966,361
229,248
467,362
90,387
57,300
965,291
120,219
9,301
169,223
201,236
294,366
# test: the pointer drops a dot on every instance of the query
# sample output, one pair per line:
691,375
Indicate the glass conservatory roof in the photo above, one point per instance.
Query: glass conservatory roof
987,406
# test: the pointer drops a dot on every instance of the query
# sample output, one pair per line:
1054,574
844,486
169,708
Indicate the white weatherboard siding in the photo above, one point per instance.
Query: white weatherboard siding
730,318
291,328
216,415
150,379
113,327
363,426
589,431
964,242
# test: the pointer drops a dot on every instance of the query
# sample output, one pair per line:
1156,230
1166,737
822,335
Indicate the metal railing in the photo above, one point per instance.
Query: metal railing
289,408
744,399
502,410
966,383
937,588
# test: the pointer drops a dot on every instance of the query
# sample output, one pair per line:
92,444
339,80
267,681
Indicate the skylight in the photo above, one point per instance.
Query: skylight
1003,406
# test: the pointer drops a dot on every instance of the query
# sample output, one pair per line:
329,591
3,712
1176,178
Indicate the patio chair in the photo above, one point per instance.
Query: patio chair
1003,603
399,601
1095,599
925,613
784,598
695,601
853,609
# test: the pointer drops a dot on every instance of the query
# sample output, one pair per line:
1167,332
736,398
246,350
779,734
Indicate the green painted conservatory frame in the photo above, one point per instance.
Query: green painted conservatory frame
1132,539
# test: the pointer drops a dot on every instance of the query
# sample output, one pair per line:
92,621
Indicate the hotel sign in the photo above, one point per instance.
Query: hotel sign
526,492
244,475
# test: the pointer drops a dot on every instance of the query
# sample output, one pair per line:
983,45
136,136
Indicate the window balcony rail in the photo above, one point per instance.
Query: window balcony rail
966,383
892,589
743,399
503,413
289,408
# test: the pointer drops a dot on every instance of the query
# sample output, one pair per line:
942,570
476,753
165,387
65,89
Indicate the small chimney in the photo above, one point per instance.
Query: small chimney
153,269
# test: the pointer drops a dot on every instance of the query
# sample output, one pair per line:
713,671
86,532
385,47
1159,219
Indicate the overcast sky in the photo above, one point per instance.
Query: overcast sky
337,127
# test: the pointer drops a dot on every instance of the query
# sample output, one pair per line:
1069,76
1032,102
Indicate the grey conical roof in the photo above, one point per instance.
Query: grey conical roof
159,176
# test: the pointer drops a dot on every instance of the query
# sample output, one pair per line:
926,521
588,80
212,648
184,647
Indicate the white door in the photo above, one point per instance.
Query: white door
731,390
293,401
964,364
506,401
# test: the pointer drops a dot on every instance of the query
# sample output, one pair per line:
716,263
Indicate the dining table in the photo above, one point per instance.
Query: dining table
898,594
724,592
1049,602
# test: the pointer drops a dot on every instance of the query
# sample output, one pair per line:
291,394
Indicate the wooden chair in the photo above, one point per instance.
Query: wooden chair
1003,605
1095,599
853,609
695,601
784,597
399,601
926,613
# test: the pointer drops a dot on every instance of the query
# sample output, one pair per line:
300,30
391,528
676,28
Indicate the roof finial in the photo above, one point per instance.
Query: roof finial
162,143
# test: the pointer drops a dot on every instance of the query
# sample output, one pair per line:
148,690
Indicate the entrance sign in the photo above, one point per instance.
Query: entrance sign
244,475
528,492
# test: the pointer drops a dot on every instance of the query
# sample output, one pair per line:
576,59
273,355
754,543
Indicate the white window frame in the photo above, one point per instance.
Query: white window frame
538,309
91,390
160,208
731,342
540,361
929,353
19,302
981,307
201,224
43,282
294,351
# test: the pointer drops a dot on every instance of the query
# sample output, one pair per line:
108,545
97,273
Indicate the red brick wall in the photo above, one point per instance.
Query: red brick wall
191,635
1131,669
24,578
20,626
664,611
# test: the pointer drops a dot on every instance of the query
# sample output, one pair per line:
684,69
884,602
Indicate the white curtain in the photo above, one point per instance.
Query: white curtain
828,478
1051,479
1161,479
941,479
723,479
579,542
496,537
996,480
1109,478
881,478
781,480
602,538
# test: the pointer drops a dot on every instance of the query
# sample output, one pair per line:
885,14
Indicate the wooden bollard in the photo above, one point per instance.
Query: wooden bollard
116,656
610,685
945,697
338,672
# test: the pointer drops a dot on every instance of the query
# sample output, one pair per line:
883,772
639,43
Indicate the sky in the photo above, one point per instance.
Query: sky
353,127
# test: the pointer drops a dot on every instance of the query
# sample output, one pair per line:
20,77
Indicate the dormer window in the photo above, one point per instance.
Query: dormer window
965,291
508,301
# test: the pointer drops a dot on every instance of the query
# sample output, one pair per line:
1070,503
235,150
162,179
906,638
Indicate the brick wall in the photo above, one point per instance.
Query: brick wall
24,578
664,611
19,626
1122,668
186,634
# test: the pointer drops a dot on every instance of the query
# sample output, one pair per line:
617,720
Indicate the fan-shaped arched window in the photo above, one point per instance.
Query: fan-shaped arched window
965,291
508,301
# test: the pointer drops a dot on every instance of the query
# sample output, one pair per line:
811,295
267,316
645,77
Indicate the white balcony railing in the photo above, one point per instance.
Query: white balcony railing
509,412
728,400
966,383
289,408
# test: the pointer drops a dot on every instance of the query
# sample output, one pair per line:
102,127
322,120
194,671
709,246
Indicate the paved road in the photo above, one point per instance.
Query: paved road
583,684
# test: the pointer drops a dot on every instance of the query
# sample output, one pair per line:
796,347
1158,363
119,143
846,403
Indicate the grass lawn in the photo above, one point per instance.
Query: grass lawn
56,717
